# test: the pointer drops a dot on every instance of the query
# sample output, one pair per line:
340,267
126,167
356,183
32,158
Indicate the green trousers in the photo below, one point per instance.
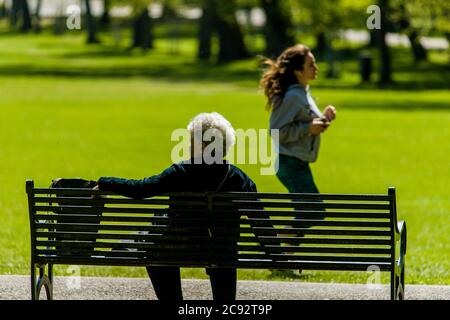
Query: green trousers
295,175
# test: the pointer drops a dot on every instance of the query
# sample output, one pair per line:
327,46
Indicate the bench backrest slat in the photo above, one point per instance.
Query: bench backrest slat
260,231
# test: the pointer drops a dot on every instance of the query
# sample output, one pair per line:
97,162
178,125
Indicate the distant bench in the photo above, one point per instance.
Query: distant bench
272,230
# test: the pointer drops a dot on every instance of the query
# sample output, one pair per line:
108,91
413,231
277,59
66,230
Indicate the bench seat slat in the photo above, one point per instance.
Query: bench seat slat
242,263
117,261
311,265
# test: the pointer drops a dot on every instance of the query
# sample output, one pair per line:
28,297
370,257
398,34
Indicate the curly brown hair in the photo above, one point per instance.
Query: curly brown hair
280,73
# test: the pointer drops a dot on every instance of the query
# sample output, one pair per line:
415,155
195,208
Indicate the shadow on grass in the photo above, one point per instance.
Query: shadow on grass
379,98
204,72
285,274
403,105
187,72
289,275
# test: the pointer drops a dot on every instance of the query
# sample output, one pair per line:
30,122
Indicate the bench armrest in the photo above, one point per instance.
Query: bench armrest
401,236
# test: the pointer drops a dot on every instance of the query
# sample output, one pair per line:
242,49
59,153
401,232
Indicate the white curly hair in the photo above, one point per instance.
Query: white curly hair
212,124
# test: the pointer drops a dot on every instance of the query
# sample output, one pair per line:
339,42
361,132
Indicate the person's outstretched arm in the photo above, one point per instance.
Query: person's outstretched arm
168,180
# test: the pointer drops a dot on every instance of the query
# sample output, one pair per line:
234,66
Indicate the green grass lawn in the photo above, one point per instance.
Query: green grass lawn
72,111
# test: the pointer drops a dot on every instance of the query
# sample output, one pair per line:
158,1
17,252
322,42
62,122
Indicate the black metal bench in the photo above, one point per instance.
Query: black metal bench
272,231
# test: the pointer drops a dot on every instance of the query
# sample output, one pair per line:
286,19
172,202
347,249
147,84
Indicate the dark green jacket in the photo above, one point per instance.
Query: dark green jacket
191,178
182,177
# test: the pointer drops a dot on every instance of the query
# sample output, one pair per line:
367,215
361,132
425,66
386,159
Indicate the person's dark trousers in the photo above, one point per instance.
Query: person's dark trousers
223,283
166,283
297,177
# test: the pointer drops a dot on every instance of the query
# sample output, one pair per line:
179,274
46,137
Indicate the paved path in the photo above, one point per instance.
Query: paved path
97,288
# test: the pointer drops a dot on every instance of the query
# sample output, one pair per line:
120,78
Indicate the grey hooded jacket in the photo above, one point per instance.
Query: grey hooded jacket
292,117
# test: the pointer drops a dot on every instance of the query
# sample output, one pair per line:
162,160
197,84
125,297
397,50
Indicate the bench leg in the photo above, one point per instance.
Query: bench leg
33,281
43,280
402,282
50,276
398,280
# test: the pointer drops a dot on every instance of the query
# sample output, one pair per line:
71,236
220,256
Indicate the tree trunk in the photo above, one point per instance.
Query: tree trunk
169,12
26,16
37,17
373,36
330,57
105,18
321,43
205,31
20,11
231,40
419,52
385,65
142,31
2,10
278,30
90,24
14,13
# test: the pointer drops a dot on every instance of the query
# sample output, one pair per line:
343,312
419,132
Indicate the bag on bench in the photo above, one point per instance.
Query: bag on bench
68,212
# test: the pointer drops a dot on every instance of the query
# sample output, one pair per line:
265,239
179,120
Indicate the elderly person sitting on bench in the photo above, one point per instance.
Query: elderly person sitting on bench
201,173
